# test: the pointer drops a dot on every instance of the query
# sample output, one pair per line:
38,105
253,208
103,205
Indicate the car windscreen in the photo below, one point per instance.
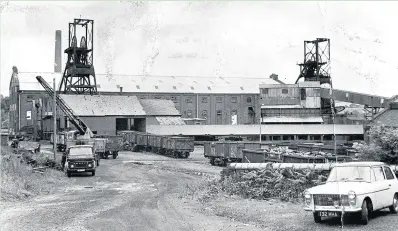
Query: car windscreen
350,173
80,151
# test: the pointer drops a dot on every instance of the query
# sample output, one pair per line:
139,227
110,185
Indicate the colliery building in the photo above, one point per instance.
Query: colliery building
199,100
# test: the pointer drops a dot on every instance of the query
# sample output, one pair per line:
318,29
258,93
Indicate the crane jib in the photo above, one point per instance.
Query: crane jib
75,120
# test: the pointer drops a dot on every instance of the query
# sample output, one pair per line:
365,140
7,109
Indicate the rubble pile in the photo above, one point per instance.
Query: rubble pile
285,184
276,152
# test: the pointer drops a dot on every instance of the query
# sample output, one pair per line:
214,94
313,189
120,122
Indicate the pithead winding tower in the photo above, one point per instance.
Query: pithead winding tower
316,67
79,74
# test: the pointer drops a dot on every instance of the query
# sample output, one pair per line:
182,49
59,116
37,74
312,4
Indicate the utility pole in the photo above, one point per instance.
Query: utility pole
260,128
55,121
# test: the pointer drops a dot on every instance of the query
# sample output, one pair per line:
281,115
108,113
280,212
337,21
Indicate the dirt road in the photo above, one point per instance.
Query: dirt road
140,191
122,196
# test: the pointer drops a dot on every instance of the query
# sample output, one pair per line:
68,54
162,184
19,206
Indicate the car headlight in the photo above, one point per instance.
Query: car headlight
72,166
352,198
307,196
89,165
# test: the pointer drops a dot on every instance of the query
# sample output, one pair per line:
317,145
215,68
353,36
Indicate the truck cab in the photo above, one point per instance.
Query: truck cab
80,158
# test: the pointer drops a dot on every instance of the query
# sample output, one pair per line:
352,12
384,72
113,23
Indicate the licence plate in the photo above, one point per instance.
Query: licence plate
80,170
328,214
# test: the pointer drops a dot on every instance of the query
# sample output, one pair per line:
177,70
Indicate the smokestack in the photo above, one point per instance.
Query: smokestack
58,52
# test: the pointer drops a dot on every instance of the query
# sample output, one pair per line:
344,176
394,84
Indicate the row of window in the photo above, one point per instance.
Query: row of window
204,113
219,99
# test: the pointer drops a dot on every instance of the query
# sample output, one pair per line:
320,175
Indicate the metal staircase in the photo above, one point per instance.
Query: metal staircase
75,120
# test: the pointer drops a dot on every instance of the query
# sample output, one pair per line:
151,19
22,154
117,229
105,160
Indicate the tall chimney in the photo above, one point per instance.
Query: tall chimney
58,52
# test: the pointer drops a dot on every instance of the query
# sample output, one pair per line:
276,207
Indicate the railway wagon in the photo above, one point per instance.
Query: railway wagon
220,153
263,156
179,147
157,143
113,144
320,148
303,159
176,146
141,142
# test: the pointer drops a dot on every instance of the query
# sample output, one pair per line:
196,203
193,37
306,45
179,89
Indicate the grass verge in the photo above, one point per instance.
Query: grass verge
19,181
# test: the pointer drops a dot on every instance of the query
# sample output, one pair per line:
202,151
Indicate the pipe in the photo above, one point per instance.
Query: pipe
257,166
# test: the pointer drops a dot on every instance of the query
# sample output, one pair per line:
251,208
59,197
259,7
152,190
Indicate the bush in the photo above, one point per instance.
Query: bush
285,184
383,146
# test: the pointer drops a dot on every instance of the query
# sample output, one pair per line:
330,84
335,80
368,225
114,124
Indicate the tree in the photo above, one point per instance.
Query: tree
383,145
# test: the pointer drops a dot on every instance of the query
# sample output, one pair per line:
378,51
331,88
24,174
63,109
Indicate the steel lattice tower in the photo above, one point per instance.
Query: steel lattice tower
316,67
79,74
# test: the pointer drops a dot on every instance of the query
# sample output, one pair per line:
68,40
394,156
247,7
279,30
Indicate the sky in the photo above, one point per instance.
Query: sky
227,39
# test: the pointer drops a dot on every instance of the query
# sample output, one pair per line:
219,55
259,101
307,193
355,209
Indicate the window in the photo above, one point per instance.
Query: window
189,113
302,93
219,99
249,99
174,98
379,175
219,112
189,100
264,91
389,174
28,115
234,99
204,100
285,91
204,113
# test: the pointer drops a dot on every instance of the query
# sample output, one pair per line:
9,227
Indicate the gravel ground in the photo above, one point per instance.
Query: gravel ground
142,191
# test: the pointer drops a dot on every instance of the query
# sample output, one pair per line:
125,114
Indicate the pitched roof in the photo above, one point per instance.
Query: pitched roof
157,84
388,118
170,120
159,107
104,105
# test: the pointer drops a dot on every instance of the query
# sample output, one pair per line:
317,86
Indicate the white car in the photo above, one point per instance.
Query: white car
354,187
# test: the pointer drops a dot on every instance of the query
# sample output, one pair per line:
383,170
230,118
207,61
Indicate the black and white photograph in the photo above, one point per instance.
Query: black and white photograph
199,115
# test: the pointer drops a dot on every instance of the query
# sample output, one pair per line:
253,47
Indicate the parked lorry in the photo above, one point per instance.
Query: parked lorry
80,158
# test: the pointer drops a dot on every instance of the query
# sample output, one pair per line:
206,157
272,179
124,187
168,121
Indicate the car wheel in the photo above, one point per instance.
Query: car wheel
317,218
364,213
93,173
69,174
394,207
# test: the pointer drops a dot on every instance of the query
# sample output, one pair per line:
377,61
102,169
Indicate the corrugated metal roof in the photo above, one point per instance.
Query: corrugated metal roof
285,119
167,120
158,84
387,118
281,106
277,129
159,107
104,105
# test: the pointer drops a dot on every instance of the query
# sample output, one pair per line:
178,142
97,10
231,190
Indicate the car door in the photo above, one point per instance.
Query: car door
382,188
392,184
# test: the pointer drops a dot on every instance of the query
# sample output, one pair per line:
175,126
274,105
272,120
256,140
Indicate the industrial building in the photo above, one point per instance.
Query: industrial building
216,100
